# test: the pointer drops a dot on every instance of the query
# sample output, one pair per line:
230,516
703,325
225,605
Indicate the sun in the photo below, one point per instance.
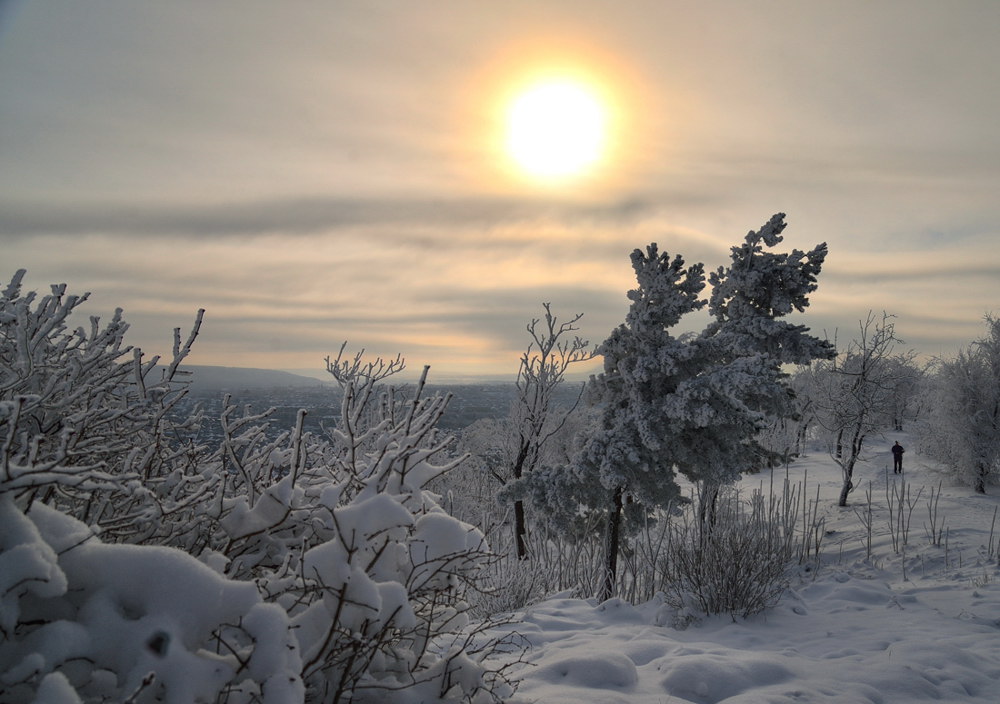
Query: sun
556,129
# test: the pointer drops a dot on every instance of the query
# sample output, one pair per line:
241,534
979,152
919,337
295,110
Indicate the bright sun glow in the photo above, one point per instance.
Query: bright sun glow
556,129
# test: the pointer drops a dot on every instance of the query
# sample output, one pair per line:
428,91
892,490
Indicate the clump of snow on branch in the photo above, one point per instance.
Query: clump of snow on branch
106,622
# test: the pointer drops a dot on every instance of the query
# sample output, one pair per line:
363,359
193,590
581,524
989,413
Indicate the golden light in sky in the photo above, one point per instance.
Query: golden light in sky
556,129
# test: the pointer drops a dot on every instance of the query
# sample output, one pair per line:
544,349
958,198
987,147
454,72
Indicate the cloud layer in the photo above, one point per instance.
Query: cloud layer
316,173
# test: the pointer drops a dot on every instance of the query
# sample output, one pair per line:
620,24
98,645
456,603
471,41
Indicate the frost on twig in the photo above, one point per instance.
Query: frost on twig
356,369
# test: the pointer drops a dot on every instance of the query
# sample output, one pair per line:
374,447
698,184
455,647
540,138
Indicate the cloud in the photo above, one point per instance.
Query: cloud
455,283
319,215
310,176
417,275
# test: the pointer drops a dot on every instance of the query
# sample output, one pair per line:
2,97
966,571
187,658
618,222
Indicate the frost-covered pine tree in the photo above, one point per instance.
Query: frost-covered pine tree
757,290
630,460
689,404
743,386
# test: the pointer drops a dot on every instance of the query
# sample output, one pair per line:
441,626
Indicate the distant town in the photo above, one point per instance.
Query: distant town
260,390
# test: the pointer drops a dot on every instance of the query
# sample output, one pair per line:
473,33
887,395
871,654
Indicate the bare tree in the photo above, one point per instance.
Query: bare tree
535,417
857,391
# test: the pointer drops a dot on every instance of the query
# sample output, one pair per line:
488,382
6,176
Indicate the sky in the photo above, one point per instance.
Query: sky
311,173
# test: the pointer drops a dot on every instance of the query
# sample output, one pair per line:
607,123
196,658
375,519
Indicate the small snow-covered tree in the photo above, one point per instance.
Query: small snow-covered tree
962,427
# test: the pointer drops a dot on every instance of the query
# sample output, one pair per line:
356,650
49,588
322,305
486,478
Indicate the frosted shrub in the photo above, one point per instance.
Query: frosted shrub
737,565
558,561
324,570
962,429
84,434
370,568
86,423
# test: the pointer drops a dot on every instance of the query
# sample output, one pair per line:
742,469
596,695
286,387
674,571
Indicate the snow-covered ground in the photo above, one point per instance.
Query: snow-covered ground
856,630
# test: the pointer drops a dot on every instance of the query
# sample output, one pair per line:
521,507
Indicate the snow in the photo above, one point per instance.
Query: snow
56,689
855,630
112,617
357,562
921,625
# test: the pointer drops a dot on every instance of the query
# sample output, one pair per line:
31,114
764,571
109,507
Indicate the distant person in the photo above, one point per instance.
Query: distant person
897,458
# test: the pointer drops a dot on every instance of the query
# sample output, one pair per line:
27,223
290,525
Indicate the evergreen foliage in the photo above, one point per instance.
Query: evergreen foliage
693,404
743,385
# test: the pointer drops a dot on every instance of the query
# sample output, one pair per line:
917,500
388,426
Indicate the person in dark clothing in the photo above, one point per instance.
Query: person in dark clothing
897,458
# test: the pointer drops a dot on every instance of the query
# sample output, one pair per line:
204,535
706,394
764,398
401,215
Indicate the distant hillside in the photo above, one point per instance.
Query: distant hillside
209,379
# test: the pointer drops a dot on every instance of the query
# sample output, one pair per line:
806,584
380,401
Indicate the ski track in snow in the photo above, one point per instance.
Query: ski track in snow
854,631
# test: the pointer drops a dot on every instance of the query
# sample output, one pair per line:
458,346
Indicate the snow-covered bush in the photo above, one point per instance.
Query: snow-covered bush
370,568
84,434
83,620
86,423
310,568
560,560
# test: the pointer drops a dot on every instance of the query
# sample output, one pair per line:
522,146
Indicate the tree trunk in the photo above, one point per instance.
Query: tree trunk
612,537
520,531
800,438
981,479
707,505
847,488
519,525
848,481
857,442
